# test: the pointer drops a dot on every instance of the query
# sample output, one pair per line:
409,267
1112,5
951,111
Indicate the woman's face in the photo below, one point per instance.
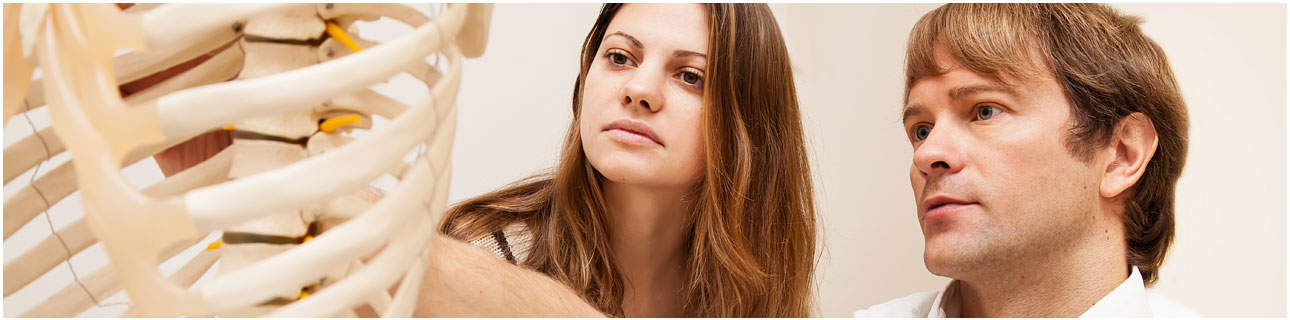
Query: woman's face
642,101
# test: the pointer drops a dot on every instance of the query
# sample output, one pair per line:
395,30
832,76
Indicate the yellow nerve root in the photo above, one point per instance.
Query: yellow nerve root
332,124
336,32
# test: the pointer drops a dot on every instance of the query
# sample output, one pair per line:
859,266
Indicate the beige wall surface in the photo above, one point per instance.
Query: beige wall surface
1229,258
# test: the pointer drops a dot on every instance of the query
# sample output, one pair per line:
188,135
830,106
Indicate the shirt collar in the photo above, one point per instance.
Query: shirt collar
1127,300
947,302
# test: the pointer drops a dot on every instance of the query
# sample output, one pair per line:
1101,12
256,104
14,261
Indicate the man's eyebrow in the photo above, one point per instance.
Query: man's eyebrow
635,43
686,53
914,109
965,91
910,110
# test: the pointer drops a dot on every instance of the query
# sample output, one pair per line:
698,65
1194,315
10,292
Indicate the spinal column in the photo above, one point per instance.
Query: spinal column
304,235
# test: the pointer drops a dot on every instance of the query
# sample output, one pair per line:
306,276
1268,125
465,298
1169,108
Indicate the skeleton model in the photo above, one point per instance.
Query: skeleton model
301,235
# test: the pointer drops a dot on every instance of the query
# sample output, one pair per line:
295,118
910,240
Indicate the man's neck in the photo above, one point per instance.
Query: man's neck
648,238
1065,283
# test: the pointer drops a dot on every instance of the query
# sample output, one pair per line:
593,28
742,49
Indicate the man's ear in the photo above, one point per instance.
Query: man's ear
1132,145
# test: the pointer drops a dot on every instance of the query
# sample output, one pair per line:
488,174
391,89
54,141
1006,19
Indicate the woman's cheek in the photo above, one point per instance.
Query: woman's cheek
697,154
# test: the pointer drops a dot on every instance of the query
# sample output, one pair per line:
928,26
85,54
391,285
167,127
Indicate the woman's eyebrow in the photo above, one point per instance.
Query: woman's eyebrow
635,43
686,53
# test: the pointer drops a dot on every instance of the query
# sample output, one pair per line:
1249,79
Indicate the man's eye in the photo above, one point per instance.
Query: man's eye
921,132
986,112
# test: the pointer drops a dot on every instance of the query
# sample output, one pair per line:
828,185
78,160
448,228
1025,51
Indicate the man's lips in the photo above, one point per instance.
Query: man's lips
632,131
942,205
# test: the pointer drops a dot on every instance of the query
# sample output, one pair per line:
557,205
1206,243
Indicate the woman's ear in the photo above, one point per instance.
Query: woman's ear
1132,145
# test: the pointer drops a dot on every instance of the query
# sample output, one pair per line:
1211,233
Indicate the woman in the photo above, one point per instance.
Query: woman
683,187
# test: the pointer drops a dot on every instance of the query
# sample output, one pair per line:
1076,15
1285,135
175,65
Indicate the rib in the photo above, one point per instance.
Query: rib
29,151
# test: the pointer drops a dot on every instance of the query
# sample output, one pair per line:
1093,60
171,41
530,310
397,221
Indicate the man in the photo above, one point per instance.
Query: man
1048,139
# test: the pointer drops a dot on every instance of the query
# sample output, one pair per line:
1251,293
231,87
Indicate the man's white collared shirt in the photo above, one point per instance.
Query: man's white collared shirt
1130,299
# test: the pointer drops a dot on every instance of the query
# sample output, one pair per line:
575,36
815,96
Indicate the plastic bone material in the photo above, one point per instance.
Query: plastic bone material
303,235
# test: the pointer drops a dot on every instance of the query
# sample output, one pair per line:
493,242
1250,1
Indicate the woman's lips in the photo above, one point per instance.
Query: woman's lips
632,132
629,137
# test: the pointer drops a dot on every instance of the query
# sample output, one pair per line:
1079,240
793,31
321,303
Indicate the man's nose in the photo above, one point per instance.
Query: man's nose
940,153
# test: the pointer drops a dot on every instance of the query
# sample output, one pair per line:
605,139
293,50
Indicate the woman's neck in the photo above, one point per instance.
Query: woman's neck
648,233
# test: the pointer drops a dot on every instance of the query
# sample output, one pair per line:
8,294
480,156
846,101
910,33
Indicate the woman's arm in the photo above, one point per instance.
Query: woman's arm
467,281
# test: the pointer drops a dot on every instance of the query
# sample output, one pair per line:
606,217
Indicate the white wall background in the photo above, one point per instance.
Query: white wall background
515,100
1229,258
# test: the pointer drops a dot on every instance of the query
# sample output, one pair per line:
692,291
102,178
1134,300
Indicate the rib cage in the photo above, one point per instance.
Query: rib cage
104,133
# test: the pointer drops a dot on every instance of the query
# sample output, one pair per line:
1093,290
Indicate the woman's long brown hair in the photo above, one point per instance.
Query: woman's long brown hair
751,252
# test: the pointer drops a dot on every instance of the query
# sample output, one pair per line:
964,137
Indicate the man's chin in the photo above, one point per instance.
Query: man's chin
947,258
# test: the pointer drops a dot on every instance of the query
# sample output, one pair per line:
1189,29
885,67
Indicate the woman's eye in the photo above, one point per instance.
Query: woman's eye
986,112
617,58
921,132
691,78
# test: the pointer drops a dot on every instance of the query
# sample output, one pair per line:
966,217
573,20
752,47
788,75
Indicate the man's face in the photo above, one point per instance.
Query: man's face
993,181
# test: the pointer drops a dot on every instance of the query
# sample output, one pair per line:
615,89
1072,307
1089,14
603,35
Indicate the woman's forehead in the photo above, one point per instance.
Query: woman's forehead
666,25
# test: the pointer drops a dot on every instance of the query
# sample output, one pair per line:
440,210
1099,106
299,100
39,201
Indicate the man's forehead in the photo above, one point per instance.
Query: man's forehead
1006,72
960,83
956,79
956,84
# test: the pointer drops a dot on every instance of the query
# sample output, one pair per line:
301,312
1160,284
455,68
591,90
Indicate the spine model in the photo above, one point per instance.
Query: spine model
302,232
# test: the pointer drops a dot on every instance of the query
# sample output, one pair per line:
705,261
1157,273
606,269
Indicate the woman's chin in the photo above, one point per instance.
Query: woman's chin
637,169
638,176
629,176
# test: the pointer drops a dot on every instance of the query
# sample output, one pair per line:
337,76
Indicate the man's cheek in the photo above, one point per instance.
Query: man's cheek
917,184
